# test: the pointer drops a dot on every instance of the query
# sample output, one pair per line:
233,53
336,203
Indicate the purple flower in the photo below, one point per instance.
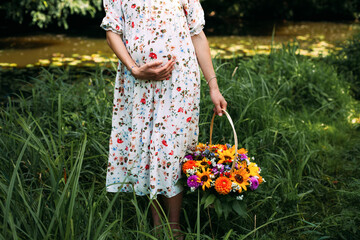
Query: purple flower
192,181
243,156
254,183
189,157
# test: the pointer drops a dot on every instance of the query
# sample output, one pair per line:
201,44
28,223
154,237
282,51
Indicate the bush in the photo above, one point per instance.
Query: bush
347,62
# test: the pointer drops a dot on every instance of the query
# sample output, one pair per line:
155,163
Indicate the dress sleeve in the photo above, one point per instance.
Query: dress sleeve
114,18
194,15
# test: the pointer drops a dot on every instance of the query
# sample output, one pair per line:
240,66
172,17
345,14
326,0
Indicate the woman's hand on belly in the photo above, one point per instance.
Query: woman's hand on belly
153,71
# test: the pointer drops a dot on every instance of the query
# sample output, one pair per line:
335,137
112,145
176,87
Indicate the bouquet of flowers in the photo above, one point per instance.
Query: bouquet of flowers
221,169
209,167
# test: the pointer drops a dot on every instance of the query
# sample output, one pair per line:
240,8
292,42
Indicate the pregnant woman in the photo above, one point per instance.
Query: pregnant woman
160,45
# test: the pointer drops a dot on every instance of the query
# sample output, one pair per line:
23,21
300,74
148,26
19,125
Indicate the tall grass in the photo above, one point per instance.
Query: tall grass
290,112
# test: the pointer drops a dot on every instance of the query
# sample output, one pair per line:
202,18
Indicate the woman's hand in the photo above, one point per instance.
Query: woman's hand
218,100
153,71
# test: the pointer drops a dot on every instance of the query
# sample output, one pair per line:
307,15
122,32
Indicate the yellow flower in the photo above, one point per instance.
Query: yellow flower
252,168
204,178
242,151
203,164
223,185
240,177
200,147
226,155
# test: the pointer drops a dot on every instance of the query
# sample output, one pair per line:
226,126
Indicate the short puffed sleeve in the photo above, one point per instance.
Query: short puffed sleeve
114,18
194,15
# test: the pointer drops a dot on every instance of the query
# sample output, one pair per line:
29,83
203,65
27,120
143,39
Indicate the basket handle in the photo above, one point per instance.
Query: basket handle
235,136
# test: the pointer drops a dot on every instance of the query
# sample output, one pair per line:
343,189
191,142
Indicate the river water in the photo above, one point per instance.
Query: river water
314,39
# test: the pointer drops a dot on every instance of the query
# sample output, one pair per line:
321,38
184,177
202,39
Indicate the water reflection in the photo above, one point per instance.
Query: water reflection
315,38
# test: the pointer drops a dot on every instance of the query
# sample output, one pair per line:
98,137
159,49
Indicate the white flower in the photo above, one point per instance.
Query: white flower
192,189
191,171
240,197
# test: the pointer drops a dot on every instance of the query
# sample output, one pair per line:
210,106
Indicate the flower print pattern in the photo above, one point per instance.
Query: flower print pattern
153,122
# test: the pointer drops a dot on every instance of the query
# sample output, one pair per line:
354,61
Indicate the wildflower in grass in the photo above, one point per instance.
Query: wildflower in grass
192,181
204,179
223,185
241,178
254,183
188,165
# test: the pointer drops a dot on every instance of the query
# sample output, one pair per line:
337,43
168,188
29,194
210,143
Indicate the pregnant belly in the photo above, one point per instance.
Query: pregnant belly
143,52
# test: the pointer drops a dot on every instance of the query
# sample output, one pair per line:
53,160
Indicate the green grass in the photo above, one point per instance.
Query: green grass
292,113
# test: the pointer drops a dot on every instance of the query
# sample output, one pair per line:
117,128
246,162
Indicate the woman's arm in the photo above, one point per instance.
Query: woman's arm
202,50
147,71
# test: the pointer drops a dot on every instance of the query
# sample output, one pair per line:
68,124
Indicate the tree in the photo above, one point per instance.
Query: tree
44,12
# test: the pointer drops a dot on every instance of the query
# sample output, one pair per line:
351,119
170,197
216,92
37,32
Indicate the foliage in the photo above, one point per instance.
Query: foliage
293,113
347,62
43,13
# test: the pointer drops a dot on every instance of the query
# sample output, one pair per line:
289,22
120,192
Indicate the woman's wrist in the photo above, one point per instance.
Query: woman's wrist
134,69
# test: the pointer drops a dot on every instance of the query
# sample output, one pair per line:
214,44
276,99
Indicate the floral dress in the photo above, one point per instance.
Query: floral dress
153,122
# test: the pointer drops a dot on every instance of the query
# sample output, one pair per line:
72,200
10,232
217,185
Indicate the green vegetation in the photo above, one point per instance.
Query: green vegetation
46,13
295,114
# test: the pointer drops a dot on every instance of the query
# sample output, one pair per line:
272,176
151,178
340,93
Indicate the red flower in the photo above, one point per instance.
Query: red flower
133,6
171,153
153,56
143,101
164,142
185,12
188,119
120,141
181,109
147,167
117,27
130,129
127,41
179,89
136,37
132,24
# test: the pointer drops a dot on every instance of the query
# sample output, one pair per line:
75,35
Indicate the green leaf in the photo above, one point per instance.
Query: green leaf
209,200
218,207
239,208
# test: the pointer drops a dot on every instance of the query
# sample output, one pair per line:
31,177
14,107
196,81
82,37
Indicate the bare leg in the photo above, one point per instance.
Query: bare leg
155,208
173,207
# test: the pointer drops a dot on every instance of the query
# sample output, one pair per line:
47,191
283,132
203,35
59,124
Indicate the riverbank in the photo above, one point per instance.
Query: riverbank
79,48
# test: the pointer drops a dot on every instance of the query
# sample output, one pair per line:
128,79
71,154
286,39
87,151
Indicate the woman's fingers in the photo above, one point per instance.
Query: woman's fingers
154,71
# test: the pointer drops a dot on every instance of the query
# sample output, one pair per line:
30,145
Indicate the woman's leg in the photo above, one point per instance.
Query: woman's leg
173,207
156,211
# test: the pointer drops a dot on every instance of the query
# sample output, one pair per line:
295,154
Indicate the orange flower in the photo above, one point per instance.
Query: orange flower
188,165
223,185
242,151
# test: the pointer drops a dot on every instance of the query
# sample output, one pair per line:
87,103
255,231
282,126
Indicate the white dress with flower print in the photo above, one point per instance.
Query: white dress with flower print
153,122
